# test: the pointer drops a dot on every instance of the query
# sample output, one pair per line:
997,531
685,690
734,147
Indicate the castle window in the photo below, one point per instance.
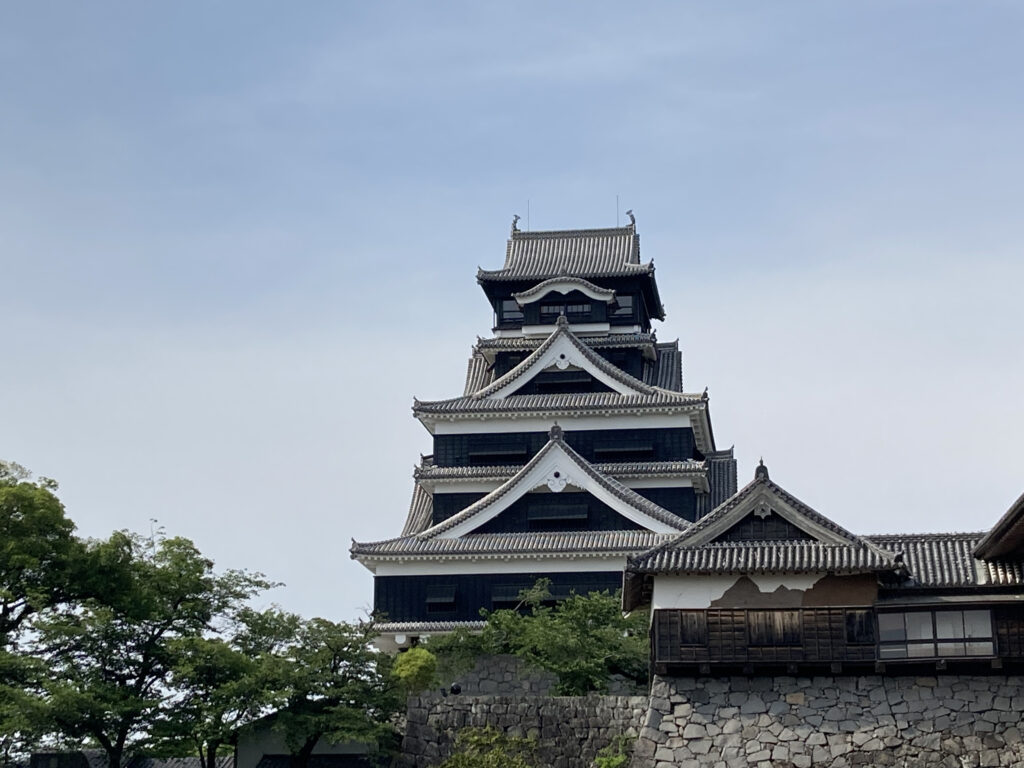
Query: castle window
623,307
577,311
928,634
441,598
550,312
506,596
860,628
511,312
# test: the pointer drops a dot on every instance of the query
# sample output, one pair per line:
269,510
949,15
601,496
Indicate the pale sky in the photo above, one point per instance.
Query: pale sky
237,238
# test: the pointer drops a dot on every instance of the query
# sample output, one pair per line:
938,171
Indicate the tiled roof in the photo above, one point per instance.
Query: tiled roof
543,287
429,471
478,374
421,510
935,559
561,331
1007,535
426,626
557,443
537,544
581,253
700,550
667,373
761,483
515,343
581,404
420,538
1009,573
727,557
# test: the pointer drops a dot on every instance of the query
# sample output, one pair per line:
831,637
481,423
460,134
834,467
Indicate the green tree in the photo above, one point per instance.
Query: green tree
337,687
40,567
416,668
224,683
111,655
38,549
490,748
584,639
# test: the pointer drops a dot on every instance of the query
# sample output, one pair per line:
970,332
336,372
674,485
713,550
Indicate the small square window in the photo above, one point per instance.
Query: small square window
441,598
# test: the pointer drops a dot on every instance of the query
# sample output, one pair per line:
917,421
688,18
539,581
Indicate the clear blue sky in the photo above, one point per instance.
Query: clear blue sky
237,238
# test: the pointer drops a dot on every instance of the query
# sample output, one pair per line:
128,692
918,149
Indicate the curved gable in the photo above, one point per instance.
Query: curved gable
558,466
560,351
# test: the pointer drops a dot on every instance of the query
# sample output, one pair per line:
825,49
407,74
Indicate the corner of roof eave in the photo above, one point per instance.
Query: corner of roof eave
428,420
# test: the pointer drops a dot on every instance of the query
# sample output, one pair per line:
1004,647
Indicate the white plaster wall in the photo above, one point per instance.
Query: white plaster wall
701,591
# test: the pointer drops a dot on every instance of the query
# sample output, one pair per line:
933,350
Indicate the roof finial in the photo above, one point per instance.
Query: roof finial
562,320
761,472
515,222
556,432
632,218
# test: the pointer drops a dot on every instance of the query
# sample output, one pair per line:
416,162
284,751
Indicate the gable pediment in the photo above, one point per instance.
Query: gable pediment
562,351
761,507
555,468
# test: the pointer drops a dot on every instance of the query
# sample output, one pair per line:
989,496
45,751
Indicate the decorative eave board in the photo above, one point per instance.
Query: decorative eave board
564,285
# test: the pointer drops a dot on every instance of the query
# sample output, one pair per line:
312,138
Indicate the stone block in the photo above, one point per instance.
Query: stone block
694,731
753,705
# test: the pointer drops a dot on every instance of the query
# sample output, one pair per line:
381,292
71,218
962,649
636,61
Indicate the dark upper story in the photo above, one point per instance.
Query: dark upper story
459,597
593,277
599,445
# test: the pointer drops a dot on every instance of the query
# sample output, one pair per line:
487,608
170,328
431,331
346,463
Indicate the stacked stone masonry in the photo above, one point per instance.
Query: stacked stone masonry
511,676
569,730
784,722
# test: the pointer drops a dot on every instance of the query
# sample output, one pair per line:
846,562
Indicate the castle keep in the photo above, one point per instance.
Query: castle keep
575,454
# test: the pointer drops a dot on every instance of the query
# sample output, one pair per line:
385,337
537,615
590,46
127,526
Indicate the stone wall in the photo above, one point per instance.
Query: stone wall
569,729
510,676
792,722
507,675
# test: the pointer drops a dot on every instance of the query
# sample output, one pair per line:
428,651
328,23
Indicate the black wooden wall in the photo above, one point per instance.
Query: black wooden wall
599,445
404,598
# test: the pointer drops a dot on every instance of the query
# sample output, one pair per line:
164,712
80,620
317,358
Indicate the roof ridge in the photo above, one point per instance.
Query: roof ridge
544,234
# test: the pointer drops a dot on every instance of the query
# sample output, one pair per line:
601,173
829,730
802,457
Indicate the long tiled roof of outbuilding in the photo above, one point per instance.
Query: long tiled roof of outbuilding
935,559
728,557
